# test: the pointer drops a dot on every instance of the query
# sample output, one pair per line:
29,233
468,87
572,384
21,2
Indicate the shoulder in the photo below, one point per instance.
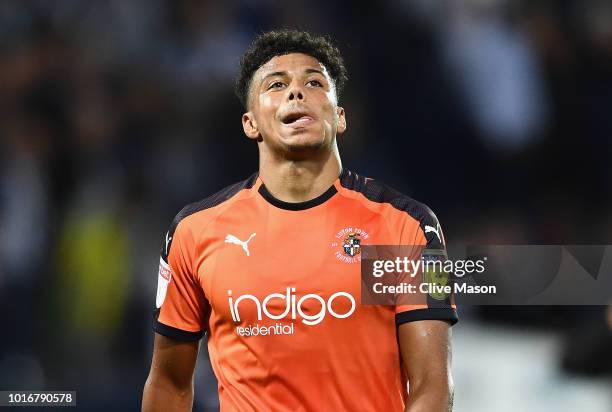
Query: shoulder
219,198
377,192
205,209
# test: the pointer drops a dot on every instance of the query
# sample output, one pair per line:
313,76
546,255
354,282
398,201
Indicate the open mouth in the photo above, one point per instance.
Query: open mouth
297,118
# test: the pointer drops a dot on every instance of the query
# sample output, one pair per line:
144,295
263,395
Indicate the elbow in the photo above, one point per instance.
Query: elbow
178,388
161,394
445,387
451,393
431,393
441,384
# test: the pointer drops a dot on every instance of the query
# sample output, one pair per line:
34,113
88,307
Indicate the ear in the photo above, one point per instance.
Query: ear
341,120
249,125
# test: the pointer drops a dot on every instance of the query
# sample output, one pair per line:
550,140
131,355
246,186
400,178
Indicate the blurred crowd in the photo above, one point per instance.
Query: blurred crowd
114,114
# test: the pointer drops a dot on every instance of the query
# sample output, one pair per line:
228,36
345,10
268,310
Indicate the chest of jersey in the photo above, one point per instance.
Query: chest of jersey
267,266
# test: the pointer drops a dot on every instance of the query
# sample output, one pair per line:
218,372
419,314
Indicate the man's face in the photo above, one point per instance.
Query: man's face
293,105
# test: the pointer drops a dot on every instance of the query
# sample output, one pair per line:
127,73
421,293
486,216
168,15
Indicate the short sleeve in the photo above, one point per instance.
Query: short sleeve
181,306
423,231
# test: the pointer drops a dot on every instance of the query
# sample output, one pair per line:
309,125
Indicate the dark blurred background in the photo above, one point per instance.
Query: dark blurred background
114,114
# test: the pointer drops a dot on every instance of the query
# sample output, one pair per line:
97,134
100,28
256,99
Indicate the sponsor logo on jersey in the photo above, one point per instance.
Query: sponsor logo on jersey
309,309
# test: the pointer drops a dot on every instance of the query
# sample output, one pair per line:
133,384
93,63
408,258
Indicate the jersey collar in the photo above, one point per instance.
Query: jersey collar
281,204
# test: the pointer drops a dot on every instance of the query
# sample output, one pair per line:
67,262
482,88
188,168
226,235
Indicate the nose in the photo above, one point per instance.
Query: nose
295,92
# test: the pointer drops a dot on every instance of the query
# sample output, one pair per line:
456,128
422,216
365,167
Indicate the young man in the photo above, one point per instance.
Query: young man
269,267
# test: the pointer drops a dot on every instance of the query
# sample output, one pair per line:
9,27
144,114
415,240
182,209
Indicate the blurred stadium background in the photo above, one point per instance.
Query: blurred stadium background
114,114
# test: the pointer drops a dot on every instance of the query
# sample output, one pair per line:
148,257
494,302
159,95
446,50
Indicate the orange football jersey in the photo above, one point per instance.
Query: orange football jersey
276,286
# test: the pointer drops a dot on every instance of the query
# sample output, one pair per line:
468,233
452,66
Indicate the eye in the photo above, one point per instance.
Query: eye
275,85
315,83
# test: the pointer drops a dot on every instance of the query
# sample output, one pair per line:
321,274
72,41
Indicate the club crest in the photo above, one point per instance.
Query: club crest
352,244
347,244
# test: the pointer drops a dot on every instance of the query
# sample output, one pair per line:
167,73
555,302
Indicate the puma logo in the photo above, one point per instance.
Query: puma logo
429,229
235,241
168,239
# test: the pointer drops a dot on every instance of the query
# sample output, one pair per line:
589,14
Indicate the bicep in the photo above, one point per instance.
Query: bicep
174,361
425,347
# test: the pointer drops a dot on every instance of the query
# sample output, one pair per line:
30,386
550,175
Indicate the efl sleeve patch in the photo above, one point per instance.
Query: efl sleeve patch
163,279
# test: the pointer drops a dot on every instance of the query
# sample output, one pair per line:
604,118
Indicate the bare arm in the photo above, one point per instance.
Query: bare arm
426,352
169,386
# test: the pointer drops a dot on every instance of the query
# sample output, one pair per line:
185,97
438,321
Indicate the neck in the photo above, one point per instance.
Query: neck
295,181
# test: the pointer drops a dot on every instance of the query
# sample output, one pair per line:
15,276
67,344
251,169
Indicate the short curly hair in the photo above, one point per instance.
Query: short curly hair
280,42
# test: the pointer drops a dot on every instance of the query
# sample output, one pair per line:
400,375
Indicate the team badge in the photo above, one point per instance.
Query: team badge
352,244
347,244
